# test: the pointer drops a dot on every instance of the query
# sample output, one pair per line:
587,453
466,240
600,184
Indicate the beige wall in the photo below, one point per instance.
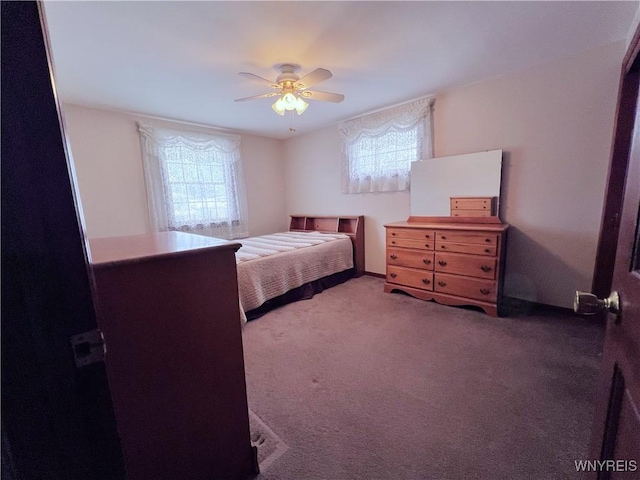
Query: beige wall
313,172
634,25
106,152
554,123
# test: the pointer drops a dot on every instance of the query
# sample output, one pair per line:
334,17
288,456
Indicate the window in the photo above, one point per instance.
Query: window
194,181
378,149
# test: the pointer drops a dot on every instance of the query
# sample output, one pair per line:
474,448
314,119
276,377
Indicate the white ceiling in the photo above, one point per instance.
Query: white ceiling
180,60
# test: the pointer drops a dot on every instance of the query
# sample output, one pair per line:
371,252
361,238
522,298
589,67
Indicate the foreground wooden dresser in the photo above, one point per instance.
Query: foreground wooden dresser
451,263
168,309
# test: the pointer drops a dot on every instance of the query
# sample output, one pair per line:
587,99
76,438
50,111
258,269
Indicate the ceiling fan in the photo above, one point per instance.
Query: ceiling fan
292,90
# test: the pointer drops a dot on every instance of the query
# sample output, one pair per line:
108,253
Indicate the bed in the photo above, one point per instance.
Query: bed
316,253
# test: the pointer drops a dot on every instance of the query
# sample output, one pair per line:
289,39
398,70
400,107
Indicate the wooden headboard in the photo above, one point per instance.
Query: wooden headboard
353,226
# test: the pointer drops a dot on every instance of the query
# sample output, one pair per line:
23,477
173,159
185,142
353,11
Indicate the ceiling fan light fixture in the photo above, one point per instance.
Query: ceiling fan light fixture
301,106
278,106
291,90
289,100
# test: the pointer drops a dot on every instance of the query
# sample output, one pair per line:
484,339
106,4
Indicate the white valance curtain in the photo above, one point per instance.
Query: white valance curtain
195,181
377,149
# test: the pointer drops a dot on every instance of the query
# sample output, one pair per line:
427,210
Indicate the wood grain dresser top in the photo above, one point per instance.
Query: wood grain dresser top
136,248
485,227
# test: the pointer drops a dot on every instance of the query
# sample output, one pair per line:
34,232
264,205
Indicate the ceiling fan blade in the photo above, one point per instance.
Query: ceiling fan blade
317,76
323,96
259,79
255,97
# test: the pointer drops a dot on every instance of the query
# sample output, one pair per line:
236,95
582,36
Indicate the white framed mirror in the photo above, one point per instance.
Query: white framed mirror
436,181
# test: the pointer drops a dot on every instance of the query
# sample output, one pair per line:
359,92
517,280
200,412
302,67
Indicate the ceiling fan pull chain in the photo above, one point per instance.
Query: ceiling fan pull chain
292,128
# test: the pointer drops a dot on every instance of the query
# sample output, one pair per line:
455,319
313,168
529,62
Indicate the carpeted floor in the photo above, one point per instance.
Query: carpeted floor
360,384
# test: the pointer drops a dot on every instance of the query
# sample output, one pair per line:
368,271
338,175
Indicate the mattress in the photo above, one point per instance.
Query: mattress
271,265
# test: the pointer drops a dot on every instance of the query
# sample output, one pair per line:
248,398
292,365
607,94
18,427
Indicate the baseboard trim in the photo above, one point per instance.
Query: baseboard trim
519,304
530,306
554,309
378,275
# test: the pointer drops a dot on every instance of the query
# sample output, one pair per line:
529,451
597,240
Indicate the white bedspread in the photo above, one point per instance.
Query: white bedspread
271,265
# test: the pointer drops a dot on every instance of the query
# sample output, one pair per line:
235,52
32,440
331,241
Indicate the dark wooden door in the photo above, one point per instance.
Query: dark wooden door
616,432
57,420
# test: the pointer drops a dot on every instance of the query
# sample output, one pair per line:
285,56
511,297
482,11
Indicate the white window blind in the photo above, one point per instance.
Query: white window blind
377,149
194,181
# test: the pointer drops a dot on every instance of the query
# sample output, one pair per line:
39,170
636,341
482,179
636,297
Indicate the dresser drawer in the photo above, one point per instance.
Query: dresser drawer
410,243
472,266
410,277
467,237
471,203
410,258
470,213
414,233
475,249
465,287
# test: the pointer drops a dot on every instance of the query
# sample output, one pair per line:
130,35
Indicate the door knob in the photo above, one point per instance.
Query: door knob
588,304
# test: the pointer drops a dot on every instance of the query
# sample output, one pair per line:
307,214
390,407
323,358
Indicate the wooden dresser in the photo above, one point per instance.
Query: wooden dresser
451,263
168,308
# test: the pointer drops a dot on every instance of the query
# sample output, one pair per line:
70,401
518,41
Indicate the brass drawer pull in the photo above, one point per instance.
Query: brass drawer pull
443,237
485,268
486,250
426,261
442,246
393,275
487,240
426,281
442,263
393,234
393,257
442,284
427,245
393,242
485,291
427,235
